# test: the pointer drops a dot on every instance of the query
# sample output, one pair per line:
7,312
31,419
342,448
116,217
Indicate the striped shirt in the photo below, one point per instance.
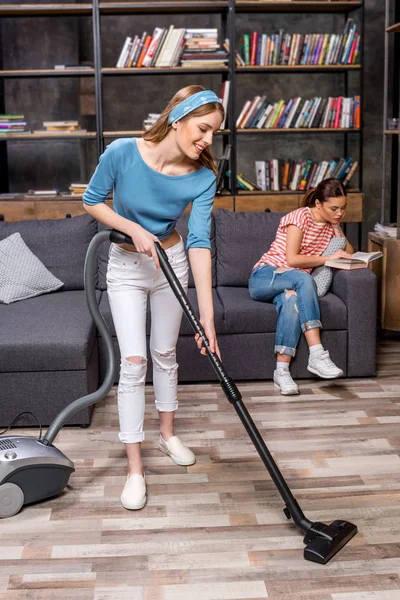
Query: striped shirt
316,237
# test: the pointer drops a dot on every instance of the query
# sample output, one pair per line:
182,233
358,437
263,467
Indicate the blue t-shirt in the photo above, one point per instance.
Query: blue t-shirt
153,200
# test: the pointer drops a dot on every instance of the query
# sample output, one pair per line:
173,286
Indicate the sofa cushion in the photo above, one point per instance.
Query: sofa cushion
47,333
185,326
182,228
244,315
22,274
60,244
242,238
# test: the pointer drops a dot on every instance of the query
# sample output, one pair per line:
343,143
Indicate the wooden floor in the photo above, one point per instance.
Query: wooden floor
216,530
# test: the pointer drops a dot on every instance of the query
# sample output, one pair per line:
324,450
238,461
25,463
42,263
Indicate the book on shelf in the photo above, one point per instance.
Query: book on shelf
62,126
300,113
358,260
12,123
47,192
243,182
288,49
150,120
172,46
10,195
224,95
73,67
301,175
223,163
77,189
389,229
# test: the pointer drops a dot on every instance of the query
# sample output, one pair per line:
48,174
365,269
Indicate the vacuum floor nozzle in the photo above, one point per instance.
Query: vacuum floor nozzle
324,541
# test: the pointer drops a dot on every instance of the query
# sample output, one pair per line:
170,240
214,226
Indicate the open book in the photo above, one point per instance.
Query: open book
359,260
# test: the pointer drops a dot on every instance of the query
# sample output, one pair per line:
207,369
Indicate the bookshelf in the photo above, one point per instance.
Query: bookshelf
229,11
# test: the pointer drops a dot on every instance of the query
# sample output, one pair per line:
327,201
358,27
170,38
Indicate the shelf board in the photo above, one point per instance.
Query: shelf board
68,196
392,131
301,68
48,136
281,192
161,70
299,130
38,198
38,10
138,132
168,70
394,28
48,73
295,6
174,6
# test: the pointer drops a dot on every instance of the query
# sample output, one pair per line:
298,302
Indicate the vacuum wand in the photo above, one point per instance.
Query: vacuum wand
323,541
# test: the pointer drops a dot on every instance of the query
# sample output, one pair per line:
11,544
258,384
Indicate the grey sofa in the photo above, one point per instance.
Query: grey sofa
50,353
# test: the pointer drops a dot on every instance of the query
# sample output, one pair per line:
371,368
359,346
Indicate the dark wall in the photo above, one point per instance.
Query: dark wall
45,41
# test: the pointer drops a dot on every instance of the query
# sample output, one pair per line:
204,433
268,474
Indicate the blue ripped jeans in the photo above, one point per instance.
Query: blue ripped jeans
296,312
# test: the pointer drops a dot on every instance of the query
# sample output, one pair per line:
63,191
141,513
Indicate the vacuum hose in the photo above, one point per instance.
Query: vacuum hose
90,290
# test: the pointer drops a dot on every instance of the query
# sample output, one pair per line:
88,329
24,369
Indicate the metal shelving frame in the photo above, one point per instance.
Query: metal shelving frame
389,134
228,10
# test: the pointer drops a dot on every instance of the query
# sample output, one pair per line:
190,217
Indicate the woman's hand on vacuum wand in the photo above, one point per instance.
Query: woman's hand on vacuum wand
144,242
209,330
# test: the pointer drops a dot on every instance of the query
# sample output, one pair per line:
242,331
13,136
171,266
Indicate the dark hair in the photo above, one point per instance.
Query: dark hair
328,188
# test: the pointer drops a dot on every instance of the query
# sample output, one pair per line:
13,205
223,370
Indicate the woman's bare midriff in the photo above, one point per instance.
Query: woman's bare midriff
166,243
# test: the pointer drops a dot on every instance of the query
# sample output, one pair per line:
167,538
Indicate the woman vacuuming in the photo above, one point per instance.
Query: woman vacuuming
154,178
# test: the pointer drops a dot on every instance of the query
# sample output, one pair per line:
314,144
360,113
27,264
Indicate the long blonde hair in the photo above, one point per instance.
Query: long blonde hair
160,129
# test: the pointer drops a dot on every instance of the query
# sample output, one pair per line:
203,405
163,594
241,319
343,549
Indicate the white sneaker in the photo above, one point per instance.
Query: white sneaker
320,364
180,454
133,496
284,382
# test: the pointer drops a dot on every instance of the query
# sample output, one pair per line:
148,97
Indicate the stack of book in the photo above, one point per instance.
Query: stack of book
12,123
171,46
318,112
202,49
78,189
285,48
60,126
243,182
150,120
389,229
278,174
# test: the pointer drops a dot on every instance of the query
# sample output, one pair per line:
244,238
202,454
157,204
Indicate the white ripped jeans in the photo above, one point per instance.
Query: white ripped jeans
131,277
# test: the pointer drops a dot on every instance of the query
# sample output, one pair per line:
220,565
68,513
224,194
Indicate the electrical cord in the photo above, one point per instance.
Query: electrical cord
26,412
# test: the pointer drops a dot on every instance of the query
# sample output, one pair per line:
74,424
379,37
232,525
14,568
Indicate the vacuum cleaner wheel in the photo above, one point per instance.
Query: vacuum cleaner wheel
11,500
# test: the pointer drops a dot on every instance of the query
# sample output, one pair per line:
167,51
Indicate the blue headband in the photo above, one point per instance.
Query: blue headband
191,103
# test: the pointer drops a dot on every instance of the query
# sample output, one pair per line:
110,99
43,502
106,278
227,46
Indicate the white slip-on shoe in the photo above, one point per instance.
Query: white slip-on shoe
284,382
177,451
320,364
133,495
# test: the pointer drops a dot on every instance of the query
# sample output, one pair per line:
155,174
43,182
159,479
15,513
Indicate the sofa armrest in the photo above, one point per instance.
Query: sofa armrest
358,290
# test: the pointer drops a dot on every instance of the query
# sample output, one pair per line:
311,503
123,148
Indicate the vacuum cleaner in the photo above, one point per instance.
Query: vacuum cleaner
33,469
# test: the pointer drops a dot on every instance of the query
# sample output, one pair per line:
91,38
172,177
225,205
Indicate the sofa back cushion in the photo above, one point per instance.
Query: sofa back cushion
242,237
60,244
183,229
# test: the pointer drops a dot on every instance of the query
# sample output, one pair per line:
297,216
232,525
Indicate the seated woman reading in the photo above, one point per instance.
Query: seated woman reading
282,276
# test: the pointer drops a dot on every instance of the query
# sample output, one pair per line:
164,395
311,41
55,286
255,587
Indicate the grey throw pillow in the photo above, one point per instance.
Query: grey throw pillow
22,274
323,275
